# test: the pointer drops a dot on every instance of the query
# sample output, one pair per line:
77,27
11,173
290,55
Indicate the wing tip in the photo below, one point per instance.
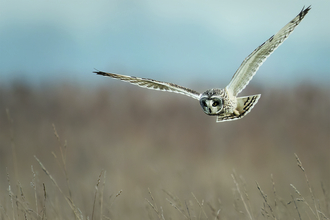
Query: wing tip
304,11
100,73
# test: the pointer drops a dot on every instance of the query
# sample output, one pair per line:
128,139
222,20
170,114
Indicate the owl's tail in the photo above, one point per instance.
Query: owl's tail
244,106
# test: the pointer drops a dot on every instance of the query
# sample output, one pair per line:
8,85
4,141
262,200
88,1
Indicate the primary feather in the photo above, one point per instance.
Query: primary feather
252,63
153,84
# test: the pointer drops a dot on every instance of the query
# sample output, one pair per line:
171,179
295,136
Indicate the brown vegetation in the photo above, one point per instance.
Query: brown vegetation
127,153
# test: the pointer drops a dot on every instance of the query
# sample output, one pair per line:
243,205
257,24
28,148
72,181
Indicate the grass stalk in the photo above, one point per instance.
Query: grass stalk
300,165
12,142
63,158
153,205
264,196
95,194
200,205
68,199
242,197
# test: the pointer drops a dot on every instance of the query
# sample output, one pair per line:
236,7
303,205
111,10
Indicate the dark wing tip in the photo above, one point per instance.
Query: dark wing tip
100,73
304,12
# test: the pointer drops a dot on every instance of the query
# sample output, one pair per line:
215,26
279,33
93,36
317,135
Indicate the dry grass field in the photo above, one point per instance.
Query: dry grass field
121,152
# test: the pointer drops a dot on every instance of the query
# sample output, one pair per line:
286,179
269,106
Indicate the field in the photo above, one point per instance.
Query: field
121,152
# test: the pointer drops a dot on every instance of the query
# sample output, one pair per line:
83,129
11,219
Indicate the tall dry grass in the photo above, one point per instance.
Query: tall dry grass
69,152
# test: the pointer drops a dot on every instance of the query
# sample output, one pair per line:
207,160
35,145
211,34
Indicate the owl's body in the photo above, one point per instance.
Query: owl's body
224,103
232,107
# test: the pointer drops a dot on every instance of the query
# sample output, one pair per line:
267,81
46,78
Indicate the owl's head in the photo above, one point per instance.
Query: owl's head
211,101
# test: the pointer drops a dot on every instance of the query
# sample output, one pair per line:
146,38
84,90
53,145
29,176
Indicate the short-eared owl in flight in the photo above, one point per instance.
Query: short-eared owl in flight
224,103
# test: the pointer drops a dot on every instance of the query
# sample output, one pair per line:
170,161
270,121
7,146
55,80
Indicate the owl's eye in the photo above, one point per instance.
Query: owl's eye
215,103
204,103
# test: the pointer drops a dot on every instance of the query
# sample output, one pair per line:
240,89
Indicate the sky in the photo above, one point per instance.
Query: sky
180,41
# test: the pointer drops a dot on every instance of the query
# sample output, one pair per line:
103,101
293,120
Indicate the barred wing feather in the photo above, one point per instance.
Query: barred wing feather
153,84
252,63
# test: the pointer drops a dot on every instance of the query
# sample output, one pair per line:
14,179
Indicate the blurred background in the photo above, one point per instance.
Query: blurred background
181,40
160,141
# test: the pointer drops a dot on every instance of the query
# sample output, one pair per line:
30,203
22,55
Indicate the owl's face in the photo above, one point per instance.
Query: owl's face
211,102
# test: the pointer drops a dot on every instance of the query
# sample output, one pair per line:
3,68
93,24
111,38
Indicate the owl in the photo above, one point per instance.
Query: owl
224,103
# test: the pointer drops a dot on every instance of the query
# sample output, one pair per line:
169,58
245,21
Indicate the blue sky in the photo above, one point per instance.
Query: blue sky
181,41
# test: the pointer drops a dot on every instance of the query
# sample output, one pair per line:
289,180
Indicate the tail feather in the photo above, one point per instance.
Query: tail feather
244,106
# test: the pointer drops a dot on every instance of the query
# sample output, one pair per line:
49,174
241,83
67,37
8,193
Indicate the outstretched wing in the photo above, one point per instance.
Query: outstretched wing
252,63
153,84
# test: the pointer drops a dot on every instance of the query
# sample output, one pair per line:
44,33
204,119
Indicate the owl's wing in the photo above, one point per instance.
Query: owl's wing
153,84
252,63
